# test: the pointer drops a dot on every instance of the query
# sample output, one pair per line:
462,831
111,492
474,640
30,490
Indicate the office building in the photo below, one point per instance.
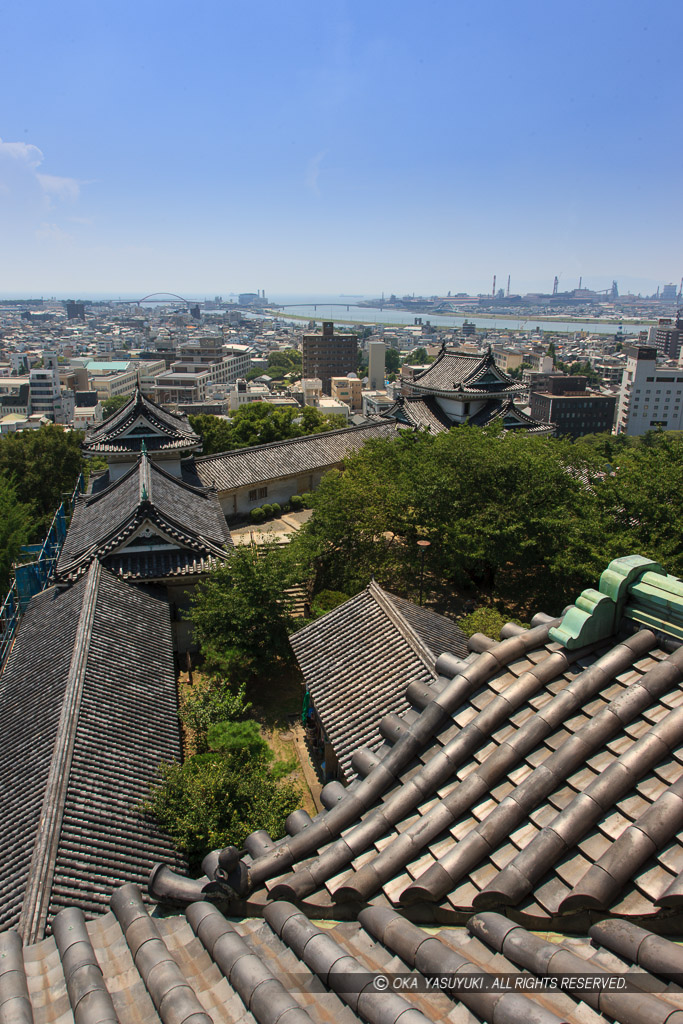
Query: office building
328,355
573,409
650,396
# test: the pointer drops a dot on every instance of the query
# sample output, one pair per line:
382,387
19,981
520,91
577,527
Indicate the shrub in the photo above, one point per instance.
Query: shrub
207,702
227,736
267,511
257,515
486,620
296,502
217,800
286,507
276,509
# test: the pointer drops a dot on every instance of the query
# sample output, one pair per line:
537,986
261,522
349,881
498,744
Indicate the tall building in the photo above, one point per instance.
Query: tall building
650,397
376,365
46,392
328,355
667,337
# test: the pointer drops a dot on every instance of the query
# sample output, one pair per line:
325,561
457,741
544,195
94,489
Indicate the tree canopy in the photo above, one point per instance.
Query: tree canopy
525,522
42,465
218,799
239,618
260,423
113,404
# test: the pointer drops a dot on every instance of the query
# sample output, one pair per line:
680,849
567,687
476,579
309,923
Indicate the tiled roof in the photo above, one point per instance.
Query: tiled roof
166,431
424,412
512,416
245,466
464,373
105,522
535,775
88,709
202,968
358,659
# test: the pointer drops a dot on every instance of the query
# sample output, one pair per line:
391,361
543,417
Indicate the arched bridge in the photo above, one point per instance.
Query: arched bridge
160,297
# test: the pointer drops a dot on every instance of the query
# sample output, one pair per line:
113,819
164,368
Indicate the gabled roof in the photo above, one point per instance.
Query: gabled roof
141,422
423,412
542,774
358,659
203,968
512,416
229,470
88,709
456,372
147,509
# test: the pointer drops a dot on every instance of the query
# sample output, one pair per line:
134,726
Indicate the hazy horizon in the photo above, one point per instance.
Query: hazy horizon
347,148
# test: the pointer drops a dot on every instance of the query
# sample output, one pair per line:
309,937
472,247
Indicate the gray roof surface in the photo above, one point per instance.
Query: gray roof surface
102,523
203,968
358,658
424,412
166,432
512,416
229,470
89,709
527,776
462,372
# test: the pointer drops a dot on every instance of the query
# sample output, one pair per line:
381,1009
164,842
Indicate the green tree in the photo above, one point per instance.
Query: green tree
509,517
260,423
211,700
239,617
15,530
418,358
42,465
392,360
215,800
113,404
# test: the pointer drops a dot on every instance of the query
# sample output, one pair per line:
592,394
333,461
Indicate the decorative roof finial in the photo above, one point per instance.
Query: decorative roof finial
143,447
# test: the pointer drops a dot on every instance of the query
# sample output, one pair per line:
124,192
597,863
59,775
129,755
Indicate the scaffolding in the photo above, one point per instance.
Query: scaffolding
32,577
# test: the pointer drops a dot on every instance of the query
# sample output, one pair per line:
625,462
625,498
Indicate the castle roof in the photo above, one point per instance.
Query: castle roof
542,774
243,466
88,708
142,422
147,524
463,374
358,659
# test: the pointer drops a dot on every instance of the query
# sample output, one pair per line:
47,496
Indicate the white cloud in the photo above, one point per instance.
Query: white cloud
61,188
24,187
22,152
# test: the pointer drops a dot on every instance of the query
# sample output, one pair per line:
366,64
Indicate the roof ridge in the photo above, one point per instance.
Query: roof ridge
38,888
405,629
290,440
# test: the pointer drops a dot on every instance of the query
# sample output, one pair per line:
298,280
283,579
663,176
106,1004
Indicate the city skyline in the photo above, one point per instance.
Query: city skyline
352,149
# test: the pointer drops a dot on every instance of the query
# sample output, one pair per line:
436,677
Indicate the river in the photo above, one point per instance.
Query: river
330,307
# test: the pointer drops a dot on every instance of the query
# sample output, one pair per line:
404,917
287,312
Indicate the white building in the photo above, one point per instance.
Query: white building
650,397
46,392
245,393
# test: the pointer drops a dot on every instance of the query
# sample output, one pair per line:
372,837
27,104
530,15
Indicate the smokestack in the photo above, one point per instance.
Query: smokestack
493,290
508,286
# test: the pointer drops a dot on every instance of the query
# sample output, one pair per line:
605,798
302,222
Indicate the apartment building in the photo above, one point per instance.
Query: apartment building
651,396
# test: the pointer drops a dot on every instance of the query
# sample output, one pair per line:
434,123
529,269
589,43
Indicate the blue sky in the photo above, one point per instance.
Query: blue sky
343,146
